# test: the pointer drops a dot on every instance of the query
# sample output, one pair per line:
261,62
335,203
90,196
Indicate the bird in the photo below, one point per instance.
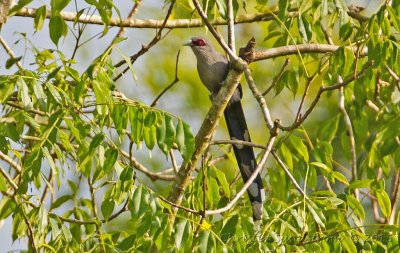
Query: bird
213,68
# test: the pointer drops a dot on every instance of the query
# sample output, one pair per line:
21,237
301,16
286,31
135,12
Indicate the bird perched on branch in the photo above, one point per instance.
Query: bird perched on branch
213,68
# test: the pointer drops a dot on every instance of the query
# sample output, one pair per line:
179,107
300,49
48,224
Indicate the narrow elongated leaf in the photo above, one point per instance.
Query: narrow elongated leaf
40,17
23,93
169,132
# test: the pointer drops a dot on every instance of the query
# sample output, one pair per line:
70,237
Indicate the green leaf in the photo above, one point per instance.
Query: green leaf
384,202
150,137
181,233
11,61
317,214
180,136
222,181
111,157
57,28
356,206
40,17
339,176
189,142
6,88
329,129
67,234
322,166
54,93
287,156
365,183
7,207
23,93
161,133
3,185
96,141
61,200
139,203
229,229
11,132
169,132
348,245
58,5
107,207
298,145
20,4
137,121
102,93
120,117
40,96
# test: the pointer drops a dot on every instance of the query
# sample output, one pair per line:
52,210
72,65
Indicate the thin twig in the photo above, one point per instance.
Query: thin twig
10,161
276,78
394,198
154,103
122,29
231,26
94,207
47,187
217,36
303,98
8,178
173,161
374,202
350,132
179,206
321,90
246,185
287,171
237,142
395,76
31,235
10,52
147,47
153,175
259,97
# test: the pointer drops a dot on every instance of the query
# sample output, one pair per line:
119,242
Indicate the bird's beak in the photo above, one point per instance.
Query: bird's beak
189,43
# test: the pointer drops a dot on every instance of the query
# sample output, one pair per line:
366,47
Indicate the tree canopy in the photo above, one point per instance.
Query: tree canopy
110,143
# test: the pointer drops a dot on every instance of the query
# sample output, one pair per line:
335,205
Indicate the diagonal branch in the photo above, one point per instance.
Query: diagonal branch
255,173
205,133
321,90
147,47
217,36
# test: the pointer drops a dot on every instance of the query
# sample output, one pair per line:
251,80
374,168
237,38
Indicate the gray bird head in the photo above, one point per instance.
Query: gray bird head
211,65
201,47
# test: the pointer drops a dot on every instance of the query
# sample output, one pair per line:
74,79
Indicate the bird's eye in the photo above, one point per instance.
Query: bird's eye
199,42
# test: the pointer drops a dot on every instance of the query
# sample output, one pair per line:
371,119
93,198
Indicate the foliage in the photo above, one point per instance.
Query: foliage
74,176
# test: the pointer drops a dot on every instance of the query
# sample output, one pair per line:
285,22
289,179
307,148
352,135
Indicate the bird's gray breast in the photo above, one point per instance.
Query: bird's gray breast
213,73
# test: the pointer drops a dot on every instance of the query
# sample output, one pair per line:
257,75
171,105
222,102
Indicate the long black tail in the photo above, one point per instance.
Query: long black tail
246,160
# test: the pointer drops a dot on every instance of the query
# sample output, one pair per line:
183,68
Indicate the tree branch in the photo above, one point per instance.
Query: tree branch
171,24
255,173
297,49
206,132
287,171
217,36
321,90
352,141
